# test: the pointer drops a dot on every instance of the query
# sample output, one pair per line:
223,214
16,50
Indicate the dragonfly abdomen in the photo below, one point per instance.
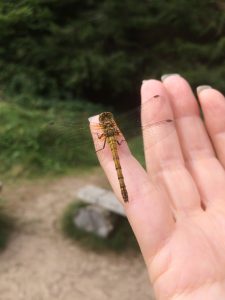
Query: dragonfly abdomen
113,146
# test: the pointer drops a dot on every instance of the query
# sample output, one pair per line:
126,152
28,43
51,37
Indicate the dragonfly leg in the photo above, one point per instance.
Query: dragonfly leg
100,135
120,142
103,145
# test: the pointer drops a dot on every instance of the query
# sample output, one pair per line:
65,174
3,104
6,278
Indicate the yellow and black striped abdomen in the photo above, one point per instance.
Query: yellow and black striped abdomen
113,146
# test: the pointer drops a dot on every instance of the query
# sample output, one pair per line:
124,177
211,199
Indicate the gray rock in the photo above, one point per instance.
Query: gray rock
95,219
104,198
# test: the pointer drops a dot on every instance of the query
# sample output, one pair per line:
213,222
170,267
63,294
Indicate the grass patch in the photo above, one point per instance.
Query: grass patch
41,139
120,239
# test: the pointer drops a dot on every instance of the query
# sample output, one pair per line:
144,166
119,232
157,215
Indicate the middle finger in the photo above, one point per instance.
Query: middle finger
196,146
164,159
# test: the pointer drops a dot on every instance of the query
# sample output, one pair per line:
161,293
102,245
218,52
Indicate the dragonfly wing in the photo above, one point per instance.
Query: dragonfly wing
67,142
151,118
74,135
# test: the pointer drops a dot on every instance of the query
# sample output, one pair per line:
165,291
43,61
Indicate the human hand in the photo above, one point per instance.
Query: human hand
177,207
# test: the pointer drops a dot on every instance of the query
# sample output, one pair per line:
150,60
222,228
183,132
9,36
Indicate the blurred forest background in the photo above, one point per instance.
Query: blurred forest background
70,59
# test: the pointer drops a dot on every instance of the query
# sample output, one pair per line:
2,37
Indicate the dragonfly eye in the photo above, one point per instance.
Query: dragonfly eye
105,116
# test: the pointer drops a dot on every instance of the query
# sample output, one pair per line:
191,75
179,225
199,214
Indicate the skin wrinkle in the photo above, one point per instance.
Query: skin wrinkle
199,120
218,210
188,289
168,167
188,292
216,137
193,165
157,182
196,284
163,174
161,247
198,154
159,177
219,134
189,163
209,242
166,162
188,115
146,192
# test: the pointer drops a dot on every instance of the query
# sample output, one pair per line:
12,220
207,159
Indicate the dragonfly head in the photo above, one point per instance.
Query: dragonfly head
106,117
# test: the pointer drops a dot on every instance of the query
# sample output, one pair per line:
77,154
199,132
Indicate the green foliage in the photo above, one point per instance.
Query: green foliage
30,144
137,148
101,50
121,239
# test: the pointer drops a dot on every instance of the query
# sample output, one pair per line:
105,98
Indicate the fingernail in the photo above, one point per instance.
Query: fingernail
163,77
203,87
92,118
144,81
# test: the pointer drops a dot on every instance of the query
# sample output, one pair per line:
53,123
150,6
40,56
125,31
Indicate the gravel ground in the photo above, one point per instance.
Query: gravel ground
41,264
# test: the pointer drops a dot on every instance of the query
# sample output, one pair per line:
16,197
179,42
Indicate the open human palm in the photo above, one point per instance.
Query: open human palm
177,207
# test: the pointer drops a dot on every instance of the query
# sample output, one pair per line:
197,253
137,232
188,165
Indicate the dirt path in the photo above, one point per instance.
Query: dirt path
40,264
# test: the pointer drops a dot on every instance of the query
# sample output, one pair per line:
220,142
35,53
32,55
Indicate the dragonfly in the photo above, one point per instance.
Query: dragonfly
110,134
155,123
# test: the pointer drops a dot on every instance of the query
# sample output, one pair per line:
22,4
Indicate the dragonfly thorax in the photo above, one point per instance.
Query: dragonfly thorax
106,117
108,124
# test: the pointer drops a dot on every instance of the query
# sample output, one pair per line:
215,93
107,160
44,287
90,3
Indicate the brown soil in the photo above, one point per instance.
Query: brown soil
41,264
